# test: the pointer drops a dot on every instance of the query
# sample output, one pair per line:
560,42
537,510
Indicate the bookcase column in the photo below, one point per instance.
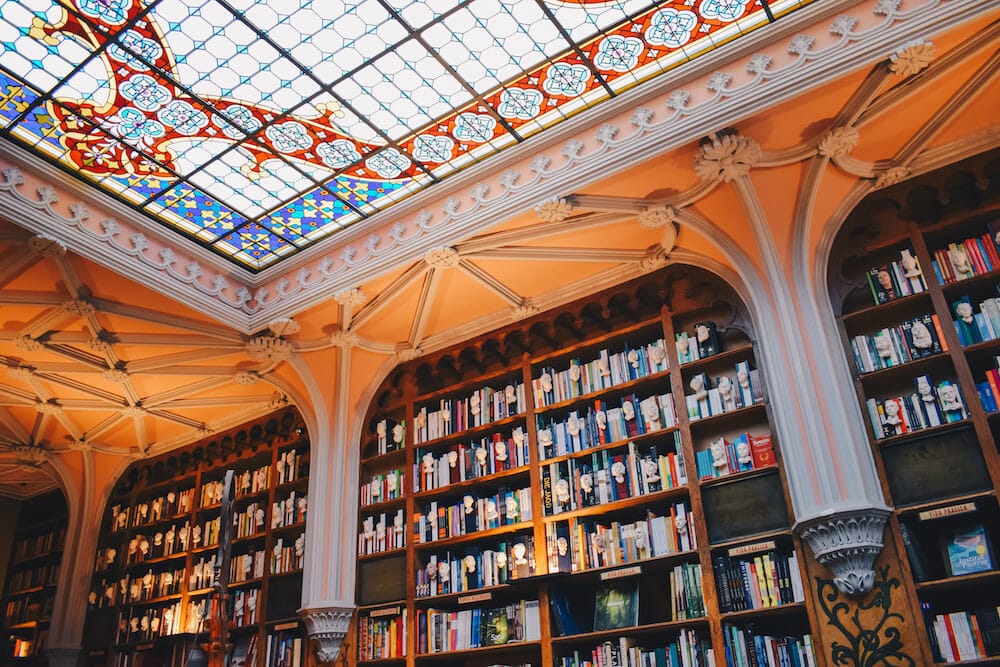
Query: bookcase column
839,507
329,558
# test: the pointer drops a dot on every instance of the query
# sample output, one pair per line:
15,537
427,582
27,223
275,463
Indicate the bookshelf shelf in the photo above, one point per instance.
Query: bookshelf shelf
447,656
486,481
612,391
787,608
619,505
990,578
636,631
269,458
941,479
644,353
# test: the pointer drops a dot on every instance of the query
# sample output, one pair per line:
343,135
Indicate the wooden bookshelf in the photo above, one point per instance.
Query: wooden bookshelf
590,403
940,469
29,591
154,564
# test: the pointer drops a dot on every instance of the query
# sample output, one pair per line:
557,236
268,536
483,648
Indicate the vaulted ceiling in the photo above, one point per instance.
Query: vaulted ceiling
119,339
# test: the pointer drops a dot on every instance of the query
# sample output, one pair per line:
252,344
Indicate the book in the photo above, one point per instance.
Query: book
968,551
616,605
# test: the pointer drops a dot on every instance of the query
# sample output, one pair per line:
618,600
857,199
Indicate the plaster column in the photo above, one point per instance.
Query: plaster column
837,499
330,557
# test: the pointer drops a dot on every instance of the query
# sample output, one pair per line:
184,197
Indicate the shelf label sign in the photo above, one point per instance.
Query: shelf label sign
752,548
950,510
388,611
621,572
478,597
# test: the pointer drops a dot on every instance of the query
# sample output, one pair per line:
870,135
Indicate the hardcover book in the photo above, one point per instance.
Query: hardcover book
968,551
616,605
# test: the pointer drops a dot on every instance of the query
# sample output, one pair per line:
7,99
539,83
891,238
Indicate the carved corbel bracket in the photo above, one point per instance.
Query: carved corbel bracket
848,543
327,628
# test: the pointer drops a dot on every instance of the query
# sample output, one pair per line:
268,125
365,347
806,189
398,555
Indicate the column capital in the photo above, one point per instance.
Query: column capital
327,628
847,542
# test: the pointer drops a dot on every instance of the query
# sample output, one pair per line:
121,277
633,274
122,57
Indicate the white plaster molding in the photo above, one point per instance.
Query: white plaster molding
258,299
327,628
344,339
658,216
444,257
28,455
848,543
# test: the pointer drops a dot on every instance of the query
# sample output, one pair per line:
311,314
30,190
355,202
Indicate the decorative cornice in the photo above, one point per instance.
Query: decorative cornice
471,201
848,543
327,628
46,246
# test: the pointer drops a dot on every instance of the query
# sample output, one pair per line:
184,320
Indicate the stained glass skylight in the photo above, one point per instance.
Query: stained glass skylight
259,128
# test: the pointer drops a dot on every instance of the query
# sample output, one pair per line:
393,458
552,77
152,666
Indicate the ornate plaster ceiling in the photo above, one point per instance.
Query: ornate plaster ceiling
259,128
93,359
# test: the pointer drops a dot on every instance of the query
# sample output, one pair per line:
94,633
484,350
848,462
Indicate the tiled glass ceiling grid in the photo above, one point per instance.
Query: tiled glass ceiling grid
259,128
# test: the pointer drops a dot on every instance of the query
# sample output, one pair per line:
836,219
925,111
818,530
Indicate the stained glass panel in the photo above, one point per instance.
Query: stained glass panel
259,128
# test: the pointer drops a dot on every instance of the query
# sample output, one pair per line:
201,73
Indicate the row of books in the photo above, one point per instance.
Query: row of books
610,475
21,647
901,277
245,606
247,565
687,598
37,545
974,256
609,369
292,465
716,396
198,612
688,650
138,624
464,461
439,630
382,634
289,510
283,648
382,487
582,544
249,482
703,342
390,435
454,415
149,585
46,574
975,327
601,424
287,554
381,533
724,457
965,635
766,578
454,572
989,389
31,607
202,573
891,346
471,514
170,504
930,405
248,521
745,647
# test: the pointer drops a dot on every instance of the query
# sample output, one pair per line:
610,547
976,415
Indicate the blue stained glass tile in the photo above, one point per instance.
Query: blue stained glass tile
361,193
143,186
15,97
253,236
199,209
